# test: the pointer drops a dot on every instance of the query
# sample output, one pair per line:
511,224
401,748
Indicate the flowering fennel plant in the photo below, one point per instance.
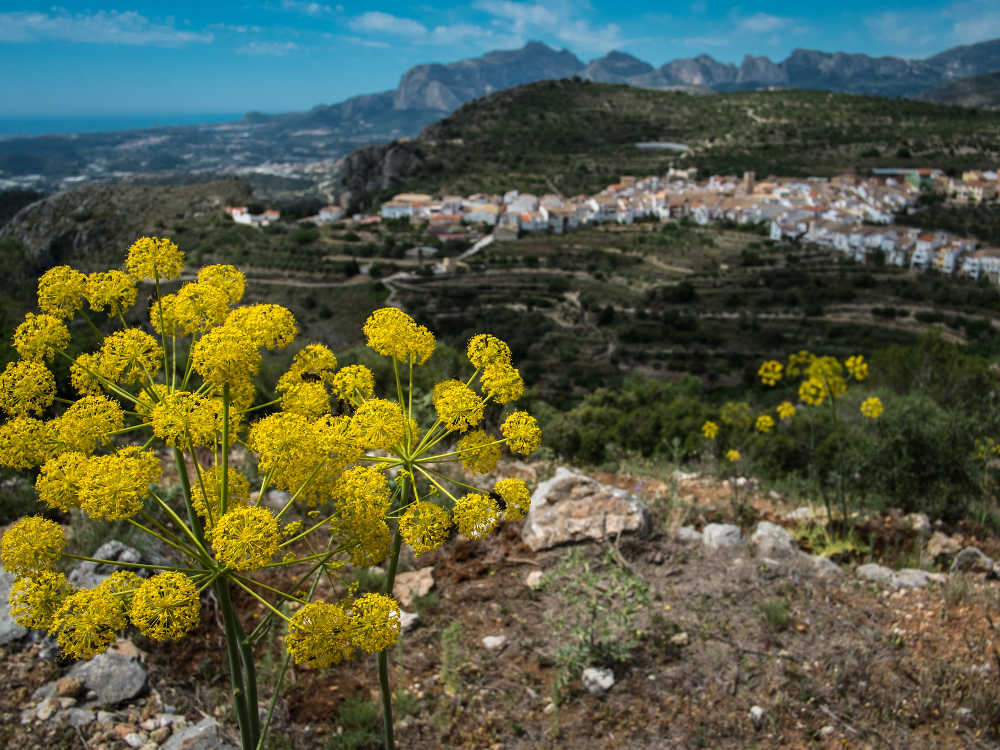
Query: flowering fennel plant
362,476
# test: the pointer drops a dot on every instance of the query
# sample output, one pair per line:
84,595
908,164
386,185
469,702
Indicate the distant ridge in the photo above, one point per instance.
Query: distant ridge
978,91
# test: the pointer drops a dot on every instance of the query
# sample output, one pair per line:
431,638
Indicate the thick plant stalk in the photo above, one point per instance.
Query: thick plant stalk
241,679
383,655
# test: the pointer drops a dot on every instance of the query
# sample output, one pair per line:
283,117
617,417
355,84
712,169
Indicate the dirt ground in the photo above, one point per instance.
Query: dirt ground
695,640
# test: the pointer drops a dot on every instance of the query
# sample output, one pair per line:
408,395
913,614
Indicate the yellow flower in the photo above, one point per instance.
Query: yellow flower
362,491
58,483
88,423
425,527
475,515
26,387
812,392
114,290
710,429
354,383
829,373
166,606
319,635
393,333
34,600
308,399
85,374
115,487
484,348
872,407
245,538
197,307
153,258
501,382
130,356
786,410
798,363
60,291
39,337
478,451
210,482
269,326
732,455
226,355
186,420
31,545
227,278
857,366
164,316
515,496
737,414
764,423
770,372
24,442
316,360
380,423
88,622
522,433
375,622
458,407
369,538
122,585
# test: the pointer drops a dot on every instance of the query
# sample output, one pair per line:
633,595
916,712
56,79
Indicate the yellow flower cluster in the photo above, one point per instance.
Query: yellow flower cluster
522,433
34,600
764,423
61,290
872,407
393,333
479,451
732,455
245,538
112,290
484,349
770,372
710,429
457,405
425,527
26,387
31,545
319,635
786,410
737,414
39,337
166,606
154,259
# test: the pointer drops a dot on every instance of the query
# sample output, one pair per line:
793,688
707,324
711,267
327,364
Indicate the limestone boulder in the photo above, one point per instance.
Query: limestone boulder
572,507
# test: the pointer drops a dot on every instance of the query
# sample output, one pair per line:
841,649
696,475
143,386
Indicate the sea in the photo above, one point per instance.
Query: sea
41,125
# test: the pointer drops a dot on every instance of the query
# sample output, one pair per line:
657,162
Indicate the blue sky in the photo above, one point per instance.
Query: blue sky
138,56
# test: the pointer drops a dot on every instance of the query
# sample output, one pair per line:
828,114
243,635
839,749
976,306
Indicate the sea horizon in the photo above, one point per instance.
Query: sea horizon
35,125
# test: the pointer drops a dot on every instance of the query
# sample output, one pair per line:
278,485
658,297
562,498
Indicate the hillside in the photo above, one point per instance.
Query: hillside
978,91
573,136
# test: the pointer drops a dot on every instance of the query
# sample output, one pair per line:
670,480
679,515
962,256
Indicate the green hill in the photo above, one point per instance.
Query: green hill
575,136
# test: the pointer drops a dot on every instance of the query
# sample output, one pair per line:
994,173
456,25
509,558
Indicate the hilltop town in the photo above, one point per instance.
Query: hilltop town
849,214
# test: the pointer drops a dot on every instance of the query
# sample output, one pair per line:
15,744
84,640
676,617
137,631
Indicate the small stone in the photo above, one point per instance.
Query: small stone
688,535
204,735
534,579
942,545
494,642
150,746
912,578
106,717
824,566
597,680
772,540
408,620
67,702
971,560
550,708
136,739
411,584
126,648
148,724
719,535
79,717
827,730
120,730
756,715
681,639
875,573
918,522
113,676
276,499
159,735
803,513
965,714
48,707
69,687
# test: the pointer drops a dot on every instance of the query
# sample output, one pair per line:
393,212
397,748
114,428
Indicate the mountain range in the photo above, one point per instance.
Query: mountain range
427,93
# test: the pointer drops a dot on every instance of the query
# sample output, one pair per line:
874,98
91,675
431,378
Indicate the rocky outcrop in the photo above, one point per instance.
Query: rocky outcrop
571,507
616,67
375,169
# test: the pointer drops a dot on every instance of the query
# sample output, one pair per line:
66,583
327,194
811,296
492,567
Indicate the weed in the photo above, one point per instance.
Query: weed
451,656
776,614
360,721
599,609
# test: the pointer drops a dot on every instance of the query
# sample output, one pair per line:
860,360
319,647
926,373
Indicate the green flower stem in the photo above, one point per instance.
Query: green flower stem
211,580
453,454
399,386
166,540
265,482
122,431
260,406
109,384
298,560
383,655
240,691
224,496
421,446
258,597
159,307
273,590
301,489
120,563
94,328
460,484
195,533
308,531
435,482
201,483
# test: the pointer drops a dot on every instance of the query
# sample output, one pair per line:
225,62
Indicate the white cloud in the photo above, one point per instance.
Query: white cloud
309,8
760,23
900,29
705,41
561,19
359,40
232,28
103,27
387,23
268,49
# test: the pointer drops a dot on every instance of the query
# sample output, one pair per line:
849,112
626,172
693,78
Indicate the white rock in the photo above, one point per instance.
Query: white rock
494,642
803,513
720,535
825,567
827,730
688,535
756,715
411,584
597,680
408,620
135,739
681,639
550,708
534,579
772,540
919,522
875,573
